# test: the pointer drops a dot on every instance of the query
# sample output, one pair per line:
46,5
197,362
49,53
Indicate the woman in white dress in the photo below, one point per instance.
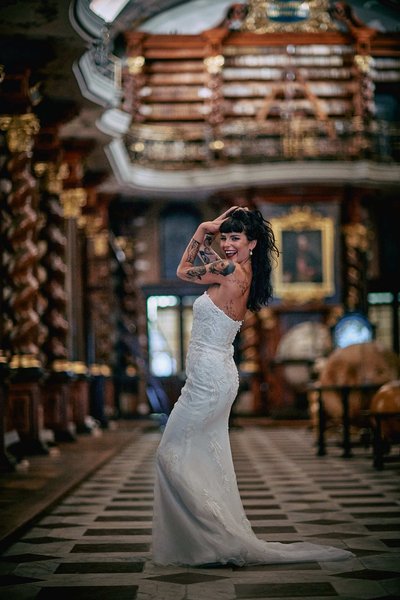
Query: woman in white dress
198,514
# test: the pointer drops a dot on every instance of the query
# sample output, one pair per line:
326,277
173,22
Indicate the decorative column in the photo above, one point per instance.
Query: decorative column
356,240
250,363
101,311
20,264
364,102
73,199
58,413
7,463
213,64
364,105
356,244
131,354
133,77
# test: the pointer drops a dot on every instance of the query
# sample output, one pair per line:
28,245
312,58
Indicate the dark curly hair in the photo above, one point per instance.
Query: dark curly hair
255,227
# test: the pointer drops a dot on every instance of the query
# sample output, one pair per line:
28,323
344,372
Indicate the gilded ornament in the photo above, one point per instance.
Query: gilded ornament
249,366
52,175
214,64
216,145
20,130
363,62
135,64
61,366
78,367
357,236
73,200
137,147
267,318
272,16
100,370
40,168
25,361
93,225
101,244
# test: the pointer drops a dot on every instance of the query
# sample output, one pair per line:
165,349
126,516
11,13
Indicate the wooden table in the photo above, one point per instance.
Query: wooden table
344,392
379,444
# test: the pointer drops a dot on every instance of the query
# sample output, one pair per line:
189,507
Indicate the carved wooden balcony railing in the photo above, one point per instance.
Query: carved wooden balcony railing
224,97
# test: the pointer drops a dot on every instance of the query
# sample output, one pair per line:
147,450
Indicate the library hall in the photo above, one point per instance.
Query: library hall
199,300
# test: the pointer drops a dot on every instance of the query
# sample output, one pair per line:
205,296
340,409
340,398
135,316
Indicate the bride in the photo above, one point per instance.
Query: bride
198,514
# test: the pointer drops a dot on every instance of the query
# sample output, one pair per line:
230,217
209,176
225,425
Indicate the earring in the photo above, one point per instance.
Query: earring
251,252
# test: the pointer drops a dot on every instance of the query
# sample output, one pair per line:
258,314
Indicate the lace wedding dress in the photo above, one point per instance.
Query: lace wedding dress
198,514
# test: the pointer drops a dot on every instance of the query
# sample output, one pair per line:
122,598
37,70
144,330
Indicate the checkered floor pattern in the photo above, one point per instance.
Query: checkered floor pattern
96,543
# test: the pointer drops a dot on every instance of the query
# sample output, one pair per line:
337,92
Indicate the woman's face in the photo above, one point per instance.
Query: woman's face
236,246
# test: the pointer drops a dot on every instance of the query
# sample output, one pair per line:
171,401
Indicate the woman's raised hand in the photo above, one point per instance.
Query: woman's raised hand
213,226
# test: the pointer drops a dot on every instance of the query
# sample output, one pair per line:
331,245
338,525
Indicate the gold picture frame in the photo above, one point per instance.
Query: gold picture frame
305,269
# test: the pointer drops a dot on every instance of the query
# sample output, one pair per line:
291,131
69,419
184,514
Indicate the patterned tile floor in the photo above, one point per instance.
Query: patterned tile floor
95,544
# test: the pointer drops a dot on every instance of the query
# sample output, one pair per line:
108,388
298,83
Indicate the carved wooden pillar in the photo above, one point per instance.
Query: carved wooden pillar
53,261
250,364
133,77
272,388
131,350
6,461
57,399
364,108
20,264
356,246
213,64
101,309
73,198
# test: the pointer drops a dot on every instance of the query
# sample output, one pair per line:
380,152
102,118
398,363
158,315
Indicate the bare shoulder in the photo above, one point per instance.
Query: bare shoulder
232,293
238,282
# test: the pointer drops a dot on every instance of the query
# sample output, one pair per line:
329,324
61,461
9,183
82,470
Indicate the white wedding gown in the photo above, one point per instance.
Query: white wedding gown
198,514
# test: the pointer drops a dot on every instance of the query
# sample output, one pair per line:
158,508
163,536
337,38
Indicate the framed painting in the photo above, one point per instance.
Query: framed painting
305,270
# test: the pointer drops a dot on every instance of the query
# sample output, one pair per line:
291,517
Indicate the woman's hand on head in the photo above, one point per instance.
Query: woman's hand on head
213,226
228,213
210,227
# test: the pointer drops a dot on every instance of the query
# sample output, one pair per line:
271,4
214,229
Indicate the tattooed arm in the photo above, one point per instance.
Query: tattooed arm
214,268
204,237
206,253
211,272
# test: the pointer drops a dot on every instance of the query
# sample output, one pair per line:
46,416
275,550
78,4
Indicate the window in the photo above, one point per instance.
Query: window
177,226
384,314
169,322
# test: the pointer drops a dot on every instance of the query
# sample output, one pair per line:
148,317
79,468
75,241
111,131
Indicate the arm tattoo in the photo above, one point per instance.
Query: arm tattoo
196,272
222,267
206,254
208,239
192,250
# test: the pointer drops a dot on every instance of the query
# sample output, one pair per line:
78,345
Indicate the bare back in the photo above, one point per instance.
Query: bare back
232,293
